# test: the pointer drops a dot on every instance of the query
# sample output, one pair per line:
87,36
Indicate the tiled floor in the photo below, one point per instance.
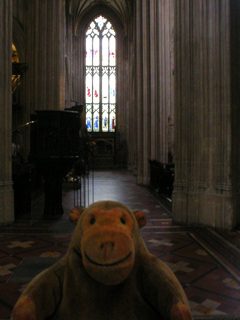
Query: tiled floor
206,262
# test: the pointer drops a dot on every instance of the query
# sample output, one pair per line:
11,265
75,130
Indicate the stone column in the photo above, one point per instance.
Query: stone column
203,143
143,91
146,103
154,78
45,34
139,93
235,81
166,76
132,136
6,185
154,82
130,94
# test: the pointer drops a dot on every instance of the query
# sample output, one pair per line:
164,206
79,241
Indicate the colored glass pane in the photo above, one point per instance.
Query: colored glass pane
104,51
88,88
112,61
105,88
112,89
89,117
96,117
95,51
105,117
112,117
88,51
96,88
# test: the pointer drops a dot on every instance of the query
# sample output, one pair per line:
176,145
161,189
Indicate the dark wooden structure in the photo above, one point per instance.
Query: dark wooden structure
162,177
105,149
54,148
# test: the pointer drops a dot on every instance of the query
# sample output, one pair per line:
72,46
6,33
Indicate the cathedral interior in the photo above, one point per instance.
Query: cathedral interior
132,101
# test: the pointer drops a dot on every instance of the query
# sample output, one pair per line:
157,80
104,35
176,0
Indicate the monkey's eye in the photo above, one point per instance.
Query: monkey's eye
123,221
92,221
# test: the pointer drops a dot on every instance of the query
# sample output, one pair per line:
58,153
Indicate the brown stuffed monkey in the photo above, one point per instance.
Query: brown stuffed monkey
107,273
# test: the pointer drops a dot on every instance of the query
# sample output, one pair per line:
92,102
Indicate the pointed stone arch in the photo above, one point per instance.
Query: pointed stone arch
122,48
19,40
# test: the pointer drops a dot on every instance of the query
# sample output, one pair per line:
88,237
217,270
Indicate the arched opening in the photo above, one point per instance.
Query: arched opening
100,79
111,125
100,88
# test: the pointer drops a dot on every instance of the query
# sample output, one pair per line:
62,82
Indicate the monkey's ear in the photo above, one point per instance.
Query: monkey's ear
141,218
75,214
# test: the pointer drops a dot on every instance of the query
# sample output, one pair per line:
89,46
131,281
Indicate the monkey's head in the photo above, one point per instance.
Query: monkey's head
106,238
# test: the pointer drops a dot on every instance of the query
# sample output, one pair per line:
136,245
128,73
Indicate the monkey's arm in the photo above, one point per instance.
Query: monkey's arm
42,296
164,292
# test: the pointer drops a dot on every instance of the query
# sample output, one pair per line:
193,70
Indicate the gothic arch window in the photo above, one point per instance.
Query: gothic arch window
100,81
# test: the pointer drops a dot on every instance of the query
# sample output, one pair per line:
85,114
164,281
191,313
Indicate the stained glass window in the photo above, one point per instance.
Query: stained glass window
100,82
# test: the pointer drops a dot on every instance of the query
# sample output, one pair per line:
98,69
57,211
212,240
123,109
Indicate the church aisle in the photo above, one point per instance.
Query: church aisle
206,261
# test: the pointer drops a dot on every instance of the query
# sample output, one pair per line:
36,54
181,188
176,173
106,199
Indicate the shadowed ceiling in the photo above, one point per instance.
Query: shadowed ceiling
123,8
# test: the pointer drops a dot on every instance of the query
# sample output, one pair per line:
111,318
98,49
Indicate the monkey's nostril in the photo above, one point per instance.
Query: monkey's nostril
107,244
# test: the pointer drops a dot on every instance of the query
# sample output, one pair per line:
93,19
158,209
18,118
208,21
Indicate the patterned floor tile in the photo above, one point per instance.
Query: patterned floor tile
165,242
23,244
7,266
56,240
187,270
45,251
193,251
198,297
206,308
220,280
233,237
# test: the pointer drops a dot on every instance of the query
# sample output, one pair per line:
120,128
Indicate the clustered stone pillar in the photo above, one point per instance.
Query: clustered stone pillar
153,103
203,125
45,55
139,93
6,185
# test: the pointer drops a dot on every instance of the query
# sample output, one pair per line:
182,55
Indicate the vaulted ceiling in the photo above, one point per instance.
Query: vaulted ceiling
123,8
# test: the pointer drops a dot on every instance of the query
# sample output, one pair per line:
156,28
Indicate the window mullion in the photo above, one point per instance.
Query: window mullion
100,83
108,84
92,73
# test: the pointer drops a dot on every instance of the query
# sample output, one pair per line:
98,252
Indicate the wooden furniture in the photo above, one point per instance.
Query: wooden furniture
54,148
162,177
105,149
